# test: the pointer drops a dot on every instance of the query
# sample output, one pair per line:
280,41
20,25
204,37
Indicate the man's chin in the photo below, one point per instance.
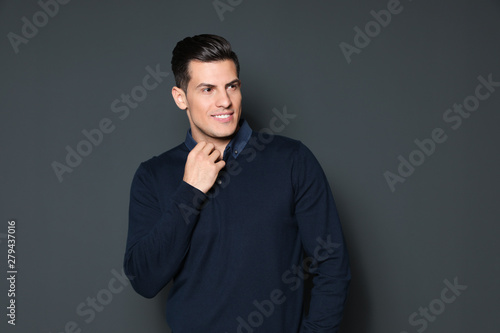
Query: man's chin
226,136
227,129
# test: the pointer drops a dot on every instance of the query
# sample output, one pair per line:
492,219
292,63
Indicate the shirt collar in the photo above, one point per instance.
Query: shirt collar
234,147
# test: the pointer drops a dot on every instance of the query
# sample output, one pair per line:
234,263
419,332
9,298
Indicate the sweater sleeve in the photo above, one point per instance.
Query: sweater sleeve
323,242
159,233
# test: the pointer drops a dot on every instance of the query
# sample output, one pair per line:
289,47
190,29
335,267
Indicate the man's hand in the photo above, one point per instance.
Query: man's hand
202,166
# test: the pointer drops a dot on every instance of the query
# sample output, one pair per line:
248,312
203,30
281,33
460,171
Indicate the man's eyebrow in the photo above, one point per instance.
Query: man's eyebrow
208,85
233,82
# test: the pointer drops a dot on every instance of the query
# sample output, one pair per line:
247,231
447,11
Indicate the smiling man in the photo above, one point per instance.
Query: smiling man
238,224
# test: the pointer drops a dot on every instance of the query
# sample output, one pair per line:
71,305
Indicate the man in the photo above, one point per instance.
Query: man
234,217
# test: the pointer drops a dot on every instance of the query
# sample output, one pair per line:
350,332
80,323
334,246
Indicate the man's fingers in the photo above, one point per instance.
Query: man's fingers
202,166
220,164
214,155
199,146
208,148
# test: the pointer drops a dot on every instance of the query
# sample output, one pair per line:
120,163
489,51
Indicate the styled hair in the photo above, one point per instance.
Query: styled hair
205,48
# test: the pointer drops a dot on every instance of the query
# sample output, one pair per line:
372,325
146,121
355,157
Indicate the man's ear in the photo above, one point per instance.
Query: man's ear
179,98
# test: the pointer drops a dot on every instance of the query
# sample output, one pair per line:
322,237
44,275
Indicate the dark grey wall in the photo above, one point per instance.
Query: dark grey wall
360,114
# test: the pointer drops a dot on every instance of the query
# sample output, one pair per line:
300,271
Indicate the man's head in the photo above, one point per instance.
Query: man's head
206,73
204,48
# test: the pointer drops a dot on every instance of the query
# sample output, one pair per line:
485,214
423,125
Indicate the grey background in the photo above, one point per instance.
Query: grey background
441,223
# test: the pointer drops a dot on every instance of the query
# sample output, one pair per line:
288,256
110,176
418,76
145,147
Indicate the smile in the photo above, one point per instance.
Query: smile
222,116
225,117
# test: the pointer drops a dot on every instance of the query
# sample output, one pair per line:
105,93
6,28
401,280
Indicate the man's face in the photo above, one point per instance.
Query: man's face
213,100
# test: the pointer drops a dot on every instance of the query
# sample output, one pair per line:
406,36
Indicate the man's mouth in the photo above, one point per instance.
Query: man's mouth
222,116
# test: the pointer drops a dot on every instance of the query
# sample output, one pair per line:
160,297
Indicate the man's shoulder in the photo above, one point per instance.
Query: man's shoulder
279,148
262,140
168,159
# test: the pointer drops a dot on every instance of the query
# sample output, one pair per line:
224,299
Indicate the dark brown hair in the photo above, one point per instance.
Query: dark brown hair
206,48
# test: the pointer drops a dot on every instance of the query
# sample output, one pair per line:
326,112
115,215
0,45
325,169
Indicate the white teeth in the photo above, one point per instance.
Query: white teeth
222,116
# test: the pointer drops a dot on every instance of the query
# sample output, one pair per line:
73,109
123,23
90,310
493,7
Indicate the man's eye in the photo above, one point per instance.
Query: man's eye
233,87
207,90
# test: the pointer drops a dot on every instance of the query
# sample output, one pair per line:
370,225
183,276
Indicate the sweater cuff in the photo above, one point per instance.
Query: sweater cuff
190,196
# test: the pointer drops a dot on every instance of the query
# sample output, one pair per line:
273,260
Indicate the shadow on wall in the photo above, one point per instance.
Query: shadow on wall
357,311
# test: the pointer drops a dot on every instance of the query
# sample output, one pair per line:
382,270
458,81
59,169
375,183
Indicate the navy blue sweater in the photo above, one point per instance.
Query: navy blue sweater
237,254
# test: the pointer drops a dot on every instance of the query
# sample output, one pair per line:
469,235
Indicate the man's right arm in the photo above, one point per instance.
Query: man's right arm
159,239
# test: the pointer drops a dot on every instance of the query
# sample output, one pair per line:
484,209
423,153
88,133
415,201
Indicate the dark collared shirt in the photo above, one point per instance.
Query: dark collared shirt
234,147
237,254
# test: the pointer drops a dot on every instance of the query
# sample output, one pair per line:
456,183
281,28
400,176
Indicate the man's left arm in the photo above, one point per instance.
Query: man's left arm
323,241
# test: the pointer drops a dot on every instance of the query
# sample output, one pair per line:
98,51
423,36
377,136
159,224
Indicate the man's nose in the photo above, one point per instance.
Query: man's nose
223,100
